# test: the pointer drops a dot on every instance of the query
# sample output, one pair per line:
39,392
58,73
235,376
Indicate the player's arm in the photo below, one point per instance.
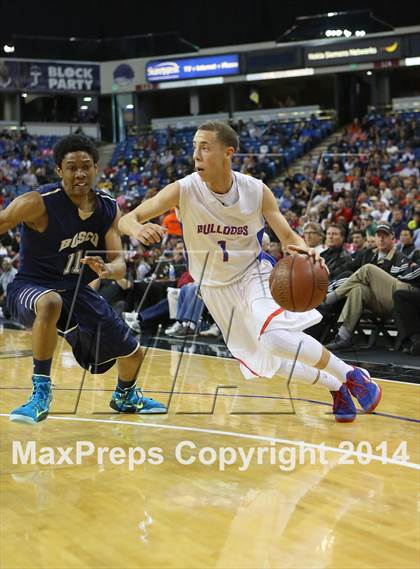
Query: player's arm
276,220
115,267
133,223
28,208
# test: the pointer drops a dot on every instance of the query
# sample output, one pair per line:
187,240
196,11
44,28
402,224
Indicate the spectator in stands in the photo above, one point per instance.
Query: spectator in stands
325,182
29,178
114,292
414,222
397,221
335,255
358,244
406,245
286,201
336,174
142,266
314,236
369,287
409,170
381,213
189,309
265,243
408,154
340,211
3,250
407,318
6,277
321,199
370,241
383,255
275,250
368,225
166,269
172,225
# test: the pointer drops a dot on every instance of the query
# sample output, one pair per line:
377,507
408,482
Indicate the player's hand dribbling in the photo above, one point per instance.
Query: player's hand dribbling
98,265
308,251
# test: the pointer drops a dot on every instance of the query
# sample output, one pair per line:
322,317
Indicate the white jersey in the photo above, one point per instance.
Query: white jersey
221,242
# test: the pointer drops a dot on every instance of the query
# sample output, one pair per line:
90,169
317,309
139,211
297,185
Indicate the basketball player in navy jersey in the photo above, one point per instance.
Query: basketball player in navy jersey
60,224
223,213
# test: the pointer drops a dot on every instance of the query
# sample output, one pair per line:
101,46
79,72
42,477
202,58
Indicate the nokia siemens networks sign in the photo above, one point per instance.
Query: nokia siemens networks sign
192,68
354,52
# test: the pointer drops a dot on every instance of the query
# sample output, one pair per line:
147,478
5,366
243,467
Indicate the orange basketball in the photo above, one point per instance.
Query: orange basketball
298,284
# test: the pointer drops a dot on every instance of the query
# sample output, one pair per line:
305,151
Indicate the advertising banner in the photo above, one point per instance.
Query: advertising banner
49,76
340,53
192,68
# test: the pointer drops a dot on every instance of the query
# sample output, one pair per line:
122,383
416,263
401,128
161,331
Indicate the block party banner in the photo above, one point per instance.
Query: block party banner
49,76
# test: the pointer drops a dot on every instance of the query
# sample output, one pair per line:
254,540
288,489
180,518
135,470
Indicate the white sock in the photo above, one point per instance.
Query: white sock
338,367
309,375
287,344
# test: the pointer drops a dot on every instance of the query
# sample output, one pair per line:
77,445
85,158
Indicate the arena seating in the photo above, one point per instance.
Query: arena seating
165,154
383,145
21,155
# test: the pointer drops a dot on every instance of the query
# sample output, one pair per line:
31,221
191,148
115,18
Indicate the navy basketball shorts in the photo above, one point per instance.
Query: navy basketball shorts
97,335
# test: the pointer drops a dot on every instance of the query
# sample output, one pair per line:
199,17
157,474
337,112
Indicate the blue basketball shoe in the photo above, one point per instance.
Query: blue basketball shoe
366,391
36,409
343,407
132,400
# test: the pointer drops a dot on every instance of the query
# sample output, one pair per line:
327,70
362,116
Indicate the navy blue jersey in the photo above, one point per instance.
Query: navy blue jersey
53,257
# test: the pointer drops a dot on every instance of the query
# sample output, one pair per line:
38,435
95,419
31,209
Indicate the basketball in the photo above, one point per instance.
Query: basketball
298,284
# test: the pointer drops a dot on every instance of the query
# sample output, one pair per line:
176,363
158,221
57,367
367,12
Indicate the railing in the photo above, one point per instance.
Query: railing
398,104
282,114
54,129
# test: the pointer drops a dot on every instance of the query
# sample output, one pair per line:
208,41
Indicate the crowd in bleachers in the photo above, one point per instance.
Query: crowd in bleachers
143,164
25,163
365,199
358,203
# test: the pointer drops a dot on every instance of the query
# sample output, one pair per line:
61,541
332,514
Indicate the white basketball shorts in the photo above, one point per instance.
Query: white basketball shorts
242,320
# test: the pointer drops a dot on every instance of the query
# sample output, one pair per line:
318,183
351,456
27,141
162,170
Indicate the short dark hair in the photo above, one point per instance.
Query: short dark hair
411,231
224,133
340,227
74,143
359,232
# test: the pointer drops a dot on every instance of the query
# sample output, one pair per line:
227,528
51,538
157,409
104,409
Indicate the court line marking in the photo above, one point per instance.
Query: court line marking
232,360
210,394
267,378
239,435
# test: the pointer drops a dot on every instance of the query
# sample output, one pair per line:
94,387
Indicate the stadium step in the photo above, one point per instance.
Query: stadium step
298,165
105,155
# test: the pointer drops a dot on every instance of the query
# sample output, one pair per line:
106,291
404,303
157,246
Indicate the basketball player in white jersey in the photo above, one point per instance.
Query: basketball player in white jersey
223,214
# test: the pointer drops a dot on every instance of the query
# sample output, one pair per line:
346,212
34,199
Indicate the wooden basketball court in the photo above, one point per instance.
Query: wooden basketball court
338,504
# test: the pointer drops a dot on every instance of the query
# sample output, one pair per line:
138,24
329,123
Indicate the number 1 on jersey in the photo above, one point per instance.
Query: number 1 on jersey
225,253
